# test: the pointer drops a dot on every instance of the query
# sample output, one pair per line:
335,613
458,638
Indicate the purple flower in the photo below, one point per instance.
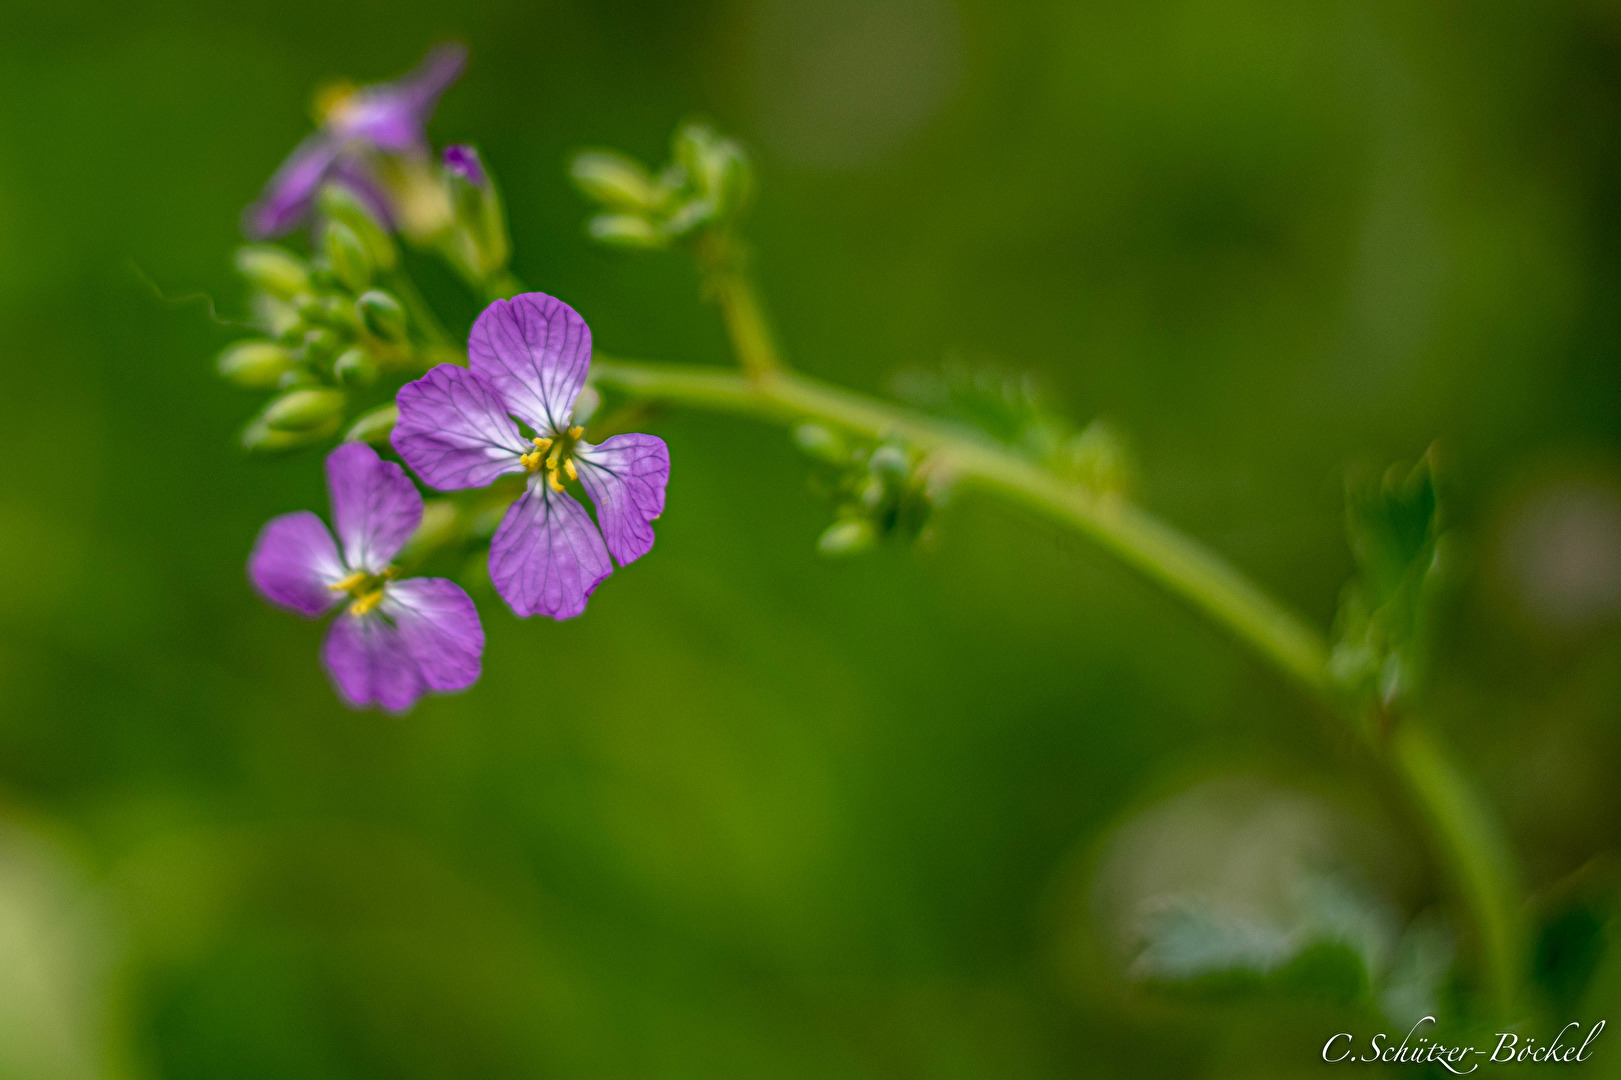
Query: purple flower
356,125
396,639
528,357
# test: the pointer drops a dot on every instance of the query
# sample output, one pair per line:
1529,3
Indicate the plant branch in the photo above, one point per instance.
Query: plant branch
1466,838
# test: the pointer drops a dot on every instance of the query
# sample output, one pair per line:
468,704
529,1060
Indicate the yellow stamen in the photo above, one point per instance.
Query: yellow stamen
576,431
349,582
530,461
568,467
542,445
366,603
332,98
551,460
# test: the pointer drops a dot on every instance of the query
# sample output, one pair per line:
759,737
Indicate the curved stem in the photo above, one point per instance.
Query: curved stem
1467,842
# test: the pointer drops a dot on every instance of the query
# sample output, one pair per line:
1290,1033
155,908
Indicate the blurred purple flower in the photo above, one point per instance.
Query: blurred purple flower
528,358
463,161
396,639
356,124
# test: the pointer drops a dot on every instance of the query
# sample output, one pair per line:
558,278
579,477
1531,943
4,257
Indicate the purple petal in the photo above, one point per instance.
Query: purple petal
454,430
287,197
547,556
375,507
354,174
391,116
463,161
535,350
293,562
625,477
425,635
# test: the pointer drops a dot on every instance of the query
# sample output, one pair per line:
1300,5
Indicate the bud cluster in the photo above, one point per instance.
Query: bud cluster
706,186
879,491
328,328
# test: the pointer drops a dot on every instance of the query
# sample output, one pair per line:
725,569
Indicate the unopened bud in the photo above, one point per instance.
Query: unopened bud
848,537
615,180
717,166
302,410
351,263
890,462
257,364
319,345
355,367
477,208
382,316
374,427
441,523
339,203
261,437
273,269
821,443
625,230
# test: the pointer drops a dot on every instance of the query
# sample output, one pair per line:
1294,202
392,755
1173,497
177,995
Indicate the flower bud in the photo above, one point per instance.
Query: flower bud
302,410
441,523
351,263
339,203
319,345
850,536
374,427
891,463
821,443
717,166
615,180
355,367
261,437
625,230
257,364
382,316
477,209
273,269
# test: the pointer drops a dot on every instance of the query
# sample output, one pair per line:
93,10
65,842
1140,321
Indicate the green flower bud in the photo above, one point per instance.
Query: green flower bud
302,410
382,316
692,215
441,523
273,269
259,436
625,230
257,364
339,203
355,367
319,345
890,462
850,536
821,443
351,263
374,427
717,166
615,180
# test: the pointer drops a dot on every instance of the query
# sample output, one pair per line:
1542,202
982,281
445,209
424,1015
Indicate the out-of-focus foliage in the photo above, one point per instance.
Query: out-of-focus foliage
761,813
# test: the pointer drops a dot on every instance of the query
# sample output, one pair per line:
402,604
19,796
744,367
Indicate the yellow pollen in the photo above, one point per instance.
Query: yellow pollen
542,445
349,582
366,603
576,431
332,98
568,467
530,461
553,481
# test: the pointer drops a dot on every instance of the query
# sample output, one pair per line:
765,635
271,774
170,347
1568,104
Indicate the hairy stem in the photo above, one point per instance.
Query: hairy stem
1465,836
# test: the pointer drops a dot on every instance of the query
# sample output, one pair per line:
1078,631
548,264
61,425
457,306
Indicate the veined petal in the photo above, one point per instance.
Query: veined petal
375,507
547,557
535,350
454,430
286,198
425,635
294,561
625,477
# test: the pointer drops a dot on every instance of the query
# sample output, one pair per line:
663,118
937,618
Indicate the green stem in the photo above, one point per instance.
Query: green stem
723,259
1464,833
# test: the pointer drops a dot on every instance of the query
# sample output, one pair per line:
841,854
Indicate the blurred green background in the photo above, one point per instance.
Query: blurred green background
758,814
